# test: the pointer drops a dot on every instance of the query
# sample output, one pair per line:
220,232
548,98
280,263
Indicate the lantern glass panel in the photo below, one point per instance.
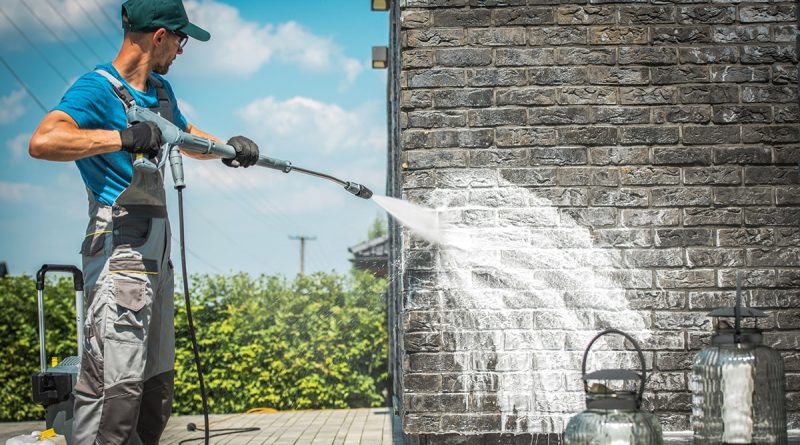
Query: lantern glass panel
613,427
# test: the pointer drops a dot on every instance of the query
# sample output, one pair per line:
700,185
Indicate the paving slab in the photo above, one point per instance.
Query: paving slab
369,426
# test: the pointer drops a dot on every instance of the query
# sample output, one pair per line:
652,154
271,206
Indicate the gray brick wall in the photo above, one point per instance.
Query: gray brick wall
611,164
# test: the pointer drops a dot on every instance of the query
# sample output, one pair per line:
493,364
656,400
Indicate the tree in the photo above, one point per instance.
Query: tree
378,228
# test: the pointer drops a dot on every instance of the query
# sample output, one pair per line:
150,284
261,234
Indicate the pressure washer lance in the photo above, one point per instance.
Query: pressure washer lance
174,137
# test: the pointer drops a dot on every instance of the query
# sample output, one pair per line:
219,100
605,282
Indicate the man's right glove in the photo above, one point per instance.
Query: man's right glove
246,152
141,137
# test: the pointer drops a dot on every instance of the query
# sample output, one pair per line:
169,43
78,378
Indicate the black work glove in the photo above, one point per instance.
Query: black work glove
141,137
246,152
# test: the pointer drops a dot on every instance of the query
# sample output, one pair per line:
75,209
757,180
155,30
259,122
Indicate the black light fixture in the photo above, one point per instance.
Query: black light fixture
380,5
380,57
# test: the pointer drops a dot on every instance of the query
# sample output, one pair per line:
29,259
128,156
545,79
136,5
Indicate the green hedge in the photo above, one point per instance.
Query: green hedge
319,341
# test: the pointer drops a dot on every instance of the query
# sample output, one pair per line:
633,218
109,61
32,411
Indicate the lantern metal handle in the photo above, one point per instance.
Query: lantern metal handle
642,376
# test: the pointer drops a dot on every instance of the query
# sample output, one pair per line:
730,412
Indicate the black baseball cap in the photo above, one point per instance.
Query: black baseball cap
150,15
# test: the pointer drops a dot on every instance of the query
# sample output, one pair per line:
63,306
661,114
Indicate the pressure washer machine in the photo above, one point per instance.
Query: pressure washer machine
52,386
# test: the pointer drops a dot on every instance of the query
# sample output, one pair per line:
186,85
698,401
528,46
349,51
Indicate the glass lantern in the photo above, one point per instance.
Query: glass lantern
738,383
613,416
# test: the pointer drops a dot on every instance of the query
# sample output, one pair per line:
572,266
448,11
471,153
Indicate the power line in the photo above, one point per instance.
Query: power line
47,27
85,43
19,79
36,48
91,19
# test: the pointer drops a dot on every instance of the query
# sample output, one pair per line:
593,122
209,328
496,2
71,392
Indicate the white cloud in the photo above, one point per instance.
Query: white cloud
18,145
11,107
239,46
318,126
188,111
75,12
18,191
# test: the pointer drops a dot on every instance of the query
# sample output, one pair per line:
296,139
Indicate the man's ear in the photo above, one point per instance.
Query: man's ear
158,36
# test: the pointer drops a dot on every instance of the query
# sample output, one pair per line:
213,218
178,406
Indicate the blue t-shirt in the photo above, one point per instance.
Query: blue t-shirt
93,104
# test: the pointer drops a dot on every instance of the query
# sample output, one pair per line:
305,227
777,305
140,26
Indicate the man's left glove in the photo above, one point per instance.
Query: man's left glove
246,152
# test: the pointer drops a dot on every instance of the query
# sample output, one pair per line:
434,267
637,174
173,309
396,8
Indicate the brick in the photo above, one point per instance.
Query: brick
620,115
436,119
590,217
532,217
649,299
742,196
784,74
620,238
709,94
422,382
472,340
525,57
465,98
618,35
497,116
684,278
654,258
664,35
728,114
506,197
746,237
679,74
739,74
630,15
710,135
712,175
706,14
585,15
558,116
422,341
418,179
414,99
490,77
767,13
619,155
558,76
691,114
772,134
435,37
786,113
613,197
787,196
530,176
417,59
647,95
459,138
787,155
764,54
523,16
558,156
647,55
488,382
496,36
464,57
785,33
778,257
648,135
771,94
715,258
771,175
436,78
498,158
586,56
461,178
436,158
650,175
646,218
557,196
709,54
682,156
602,75
587,96
588,136
741,34
683,237
525,137
556,36
527,96
681,196
433,3
461,18
742,155
712,217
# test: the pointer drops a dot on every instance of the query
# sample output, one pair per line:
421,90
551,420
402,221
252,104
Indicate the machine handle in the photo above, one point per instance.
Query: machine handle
77,278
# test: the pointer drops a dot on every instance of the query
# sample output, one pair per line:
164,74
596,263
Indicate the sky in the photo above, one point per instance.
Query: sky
293,76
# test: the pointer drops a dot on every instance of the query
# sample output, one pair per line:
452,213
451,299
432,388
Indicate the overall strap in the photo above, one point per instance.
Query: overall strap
164,107
122,93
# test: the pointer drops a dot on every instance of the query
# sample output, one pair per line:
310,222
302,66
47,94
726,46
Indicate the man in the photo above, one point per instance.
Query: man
125,384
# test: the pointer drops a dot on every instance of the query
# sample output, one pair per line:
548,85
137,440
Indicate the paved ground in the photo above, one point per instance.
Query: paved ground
329,427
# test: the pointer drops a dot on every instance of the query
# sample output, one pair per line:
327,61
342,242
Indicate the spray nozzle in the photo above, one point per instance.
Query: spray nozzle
358,190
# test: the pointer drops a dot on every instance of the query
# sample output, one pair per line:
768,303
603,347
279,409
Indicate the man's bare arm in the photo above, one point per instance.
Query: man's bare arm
191,129
58,138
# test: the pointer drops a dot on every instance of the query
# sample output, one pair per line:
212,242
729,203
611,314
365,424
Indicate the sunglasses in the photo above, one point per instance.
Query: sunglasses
183,38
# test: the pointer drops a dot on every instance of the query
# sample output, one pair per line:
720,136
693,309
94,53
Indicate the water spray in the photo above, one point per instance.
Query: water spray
175,139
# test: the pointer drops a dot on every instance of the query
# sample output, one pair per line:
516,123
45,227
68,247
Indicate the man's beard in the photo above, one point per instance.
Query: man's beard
161,69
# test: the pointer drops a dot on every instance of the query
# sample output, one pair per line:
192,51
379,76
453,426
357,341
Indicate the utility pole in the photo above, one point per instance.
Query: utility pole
303,239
